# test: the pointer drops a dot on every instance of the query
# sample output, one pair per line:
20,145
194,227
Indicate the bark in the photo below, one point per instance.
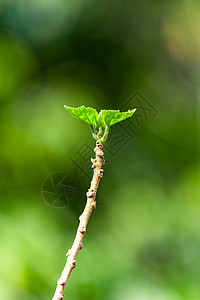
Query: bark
84,218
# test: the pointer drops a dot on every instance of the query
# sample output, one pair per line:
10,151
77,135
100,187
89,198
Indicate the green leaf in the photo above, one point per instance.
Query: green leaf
87,114
99,122
112,117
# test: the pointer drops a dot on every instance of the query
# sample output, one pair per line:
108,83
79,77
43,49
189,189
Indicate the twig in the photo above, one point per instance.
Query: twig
84,218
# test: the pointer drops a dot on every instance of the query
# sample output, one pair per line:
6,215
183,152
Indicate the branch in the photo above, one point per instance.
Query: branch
84,218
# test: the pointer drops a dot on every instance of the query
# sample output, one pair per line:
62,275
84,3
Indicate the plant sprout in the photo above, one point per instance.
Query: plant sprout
100,124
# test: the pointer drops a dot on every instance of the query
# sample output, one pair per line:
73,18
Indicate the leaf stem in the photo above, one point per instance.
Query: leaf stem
84,218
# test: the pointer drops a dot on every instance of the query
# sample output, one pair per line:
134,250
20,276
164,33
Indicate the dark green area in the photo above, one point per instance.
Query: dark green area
142,241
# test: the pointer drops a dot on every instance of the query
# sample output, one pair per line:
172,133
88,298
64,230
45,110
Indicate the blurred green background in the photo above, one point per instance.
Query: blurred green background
143,240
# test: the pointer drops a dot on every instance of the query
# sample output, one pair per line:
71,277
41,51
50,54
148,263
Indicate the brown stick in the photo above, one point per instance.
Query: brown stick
84,218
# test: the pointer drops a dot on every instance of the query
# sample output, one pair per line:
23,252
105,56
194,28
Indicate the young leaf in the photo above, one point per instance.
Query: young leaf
112,117
99,122
87,114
